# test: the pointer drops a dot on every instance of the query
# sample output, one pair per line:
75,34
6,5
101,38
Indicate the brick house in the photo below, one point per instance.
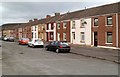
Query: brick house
51,27
10,29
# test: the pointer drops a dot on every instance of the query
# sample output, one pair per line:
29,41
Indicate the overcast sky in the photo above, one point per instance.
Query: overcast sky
22,11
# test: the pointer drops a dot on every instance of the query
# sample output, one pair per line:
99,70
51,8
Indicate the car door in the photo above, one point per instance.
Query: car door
51,46
54,45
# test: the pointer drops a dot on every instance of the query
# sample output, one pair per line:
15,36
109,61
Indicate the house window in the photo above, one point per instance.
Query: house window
95,21
35,28
64,25
109,20
47,26
82,37
58,26
64,36
52,26
73,24
82,24
109,37
73,35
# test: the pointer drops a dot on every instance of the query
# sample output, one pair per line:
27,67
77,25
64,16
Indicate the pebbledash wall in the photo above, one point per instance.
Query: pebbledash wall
81,31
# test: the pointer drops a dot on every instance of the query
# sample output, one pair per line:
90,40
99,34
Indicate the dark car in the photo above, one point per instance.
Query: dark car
58,46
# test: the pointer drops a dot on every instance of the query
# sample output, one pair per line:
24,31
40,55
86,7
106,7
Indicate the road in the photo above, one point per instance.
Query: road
22,60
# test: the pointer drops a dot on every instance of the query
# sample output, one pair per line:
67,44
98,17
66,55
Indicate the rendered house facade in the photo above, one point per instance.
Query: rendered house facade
81,31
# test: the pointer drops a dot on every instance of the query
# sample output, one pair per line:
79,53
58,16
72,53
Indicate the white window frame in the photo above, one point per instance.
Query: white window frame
73,35
106,38
94,22
82,41
64,23
73,24
58,26
106,18
64,38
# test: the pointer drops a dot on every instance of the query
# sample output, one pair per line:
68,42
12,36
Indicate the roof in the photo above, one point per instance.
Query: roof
11,25
100,10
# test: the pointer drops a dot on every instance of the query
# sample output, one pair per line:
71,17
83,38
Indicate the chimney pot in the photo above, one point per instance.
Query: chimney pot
48,16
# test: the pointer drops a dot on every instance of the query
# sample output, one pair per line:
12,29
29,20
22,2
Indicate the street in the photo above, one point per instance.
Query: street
23,60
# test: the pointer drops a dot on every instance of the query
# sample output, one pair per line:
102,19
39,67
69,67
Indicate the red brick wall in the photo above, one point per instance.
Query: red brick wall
62,30
102,29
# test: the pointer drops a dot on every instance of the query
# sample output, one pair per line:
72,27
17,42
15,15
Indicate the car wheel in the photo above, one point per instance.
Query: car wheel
68,51
57,50
33,46
46,49
28,45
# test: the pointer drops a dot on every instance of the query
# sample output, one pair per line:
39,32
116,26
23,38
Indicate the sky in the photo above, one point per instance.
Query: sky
15,11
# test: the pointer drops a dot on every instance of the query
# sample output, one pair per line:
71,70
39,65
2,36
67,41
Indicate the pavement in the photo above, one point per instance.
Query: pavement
98,53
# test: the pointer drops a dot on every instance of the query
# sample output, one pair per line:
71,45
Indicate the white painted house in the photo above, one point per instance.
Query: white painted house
51,32
34,31
81,31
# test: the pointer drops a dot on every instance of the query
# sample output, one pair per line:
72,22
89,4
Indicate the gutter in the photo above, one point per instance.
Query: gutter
117,30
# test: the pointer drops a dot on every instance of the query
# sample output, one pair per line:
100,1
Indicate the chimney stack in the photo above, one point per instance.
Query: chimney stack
48,16
57,14
35,19
30,20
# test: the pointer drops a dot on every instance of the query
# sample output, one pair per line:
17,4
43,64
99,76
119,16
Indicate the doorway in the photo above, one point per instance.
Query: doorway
95,38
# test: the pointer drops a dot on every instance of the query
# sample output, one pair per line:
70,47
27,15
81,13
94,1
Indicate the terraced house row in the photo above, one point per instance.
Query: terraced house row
97,26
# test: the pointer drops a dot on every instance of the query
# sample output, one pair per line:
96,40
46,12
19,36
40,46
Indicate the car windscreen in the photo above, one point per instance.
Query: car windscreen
24,39
64,44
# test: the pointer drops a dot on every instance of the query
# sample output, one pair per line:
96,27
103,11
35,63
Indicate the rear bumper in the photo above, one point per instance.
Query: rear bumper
23,43
64,49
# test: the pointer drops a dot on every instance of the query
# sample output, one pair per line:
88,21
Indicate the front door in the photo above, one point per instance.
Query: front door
47,36
95,38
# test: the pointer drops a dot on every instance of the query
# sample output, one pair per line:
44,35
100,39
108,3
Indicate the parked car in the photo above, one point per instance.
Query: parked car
11,39
5,38
23,41
36,43
58,46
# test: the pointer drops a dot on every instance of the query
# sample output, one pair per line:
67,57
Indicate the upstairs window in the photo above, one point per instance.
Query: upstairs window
95,21
83,22
58,26
52,26
109,20
73,24
64,25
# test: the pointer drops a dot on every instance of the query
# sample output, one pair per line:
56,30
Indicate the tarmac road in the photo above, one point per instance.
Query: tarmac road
22,60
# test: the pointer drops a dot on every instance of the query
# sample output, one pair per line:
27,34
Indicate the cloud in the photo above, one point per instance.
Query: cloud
24,11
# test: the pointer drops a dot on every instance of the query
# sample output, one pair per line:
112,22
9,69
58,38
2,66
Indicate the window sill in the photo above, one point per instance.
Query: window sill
95,26
82,41
108,25
108,43
82,27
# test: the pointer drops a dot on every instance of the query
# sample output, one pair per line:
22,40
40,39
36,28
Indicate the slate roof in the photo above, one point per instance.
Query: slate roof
9,26
100,10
